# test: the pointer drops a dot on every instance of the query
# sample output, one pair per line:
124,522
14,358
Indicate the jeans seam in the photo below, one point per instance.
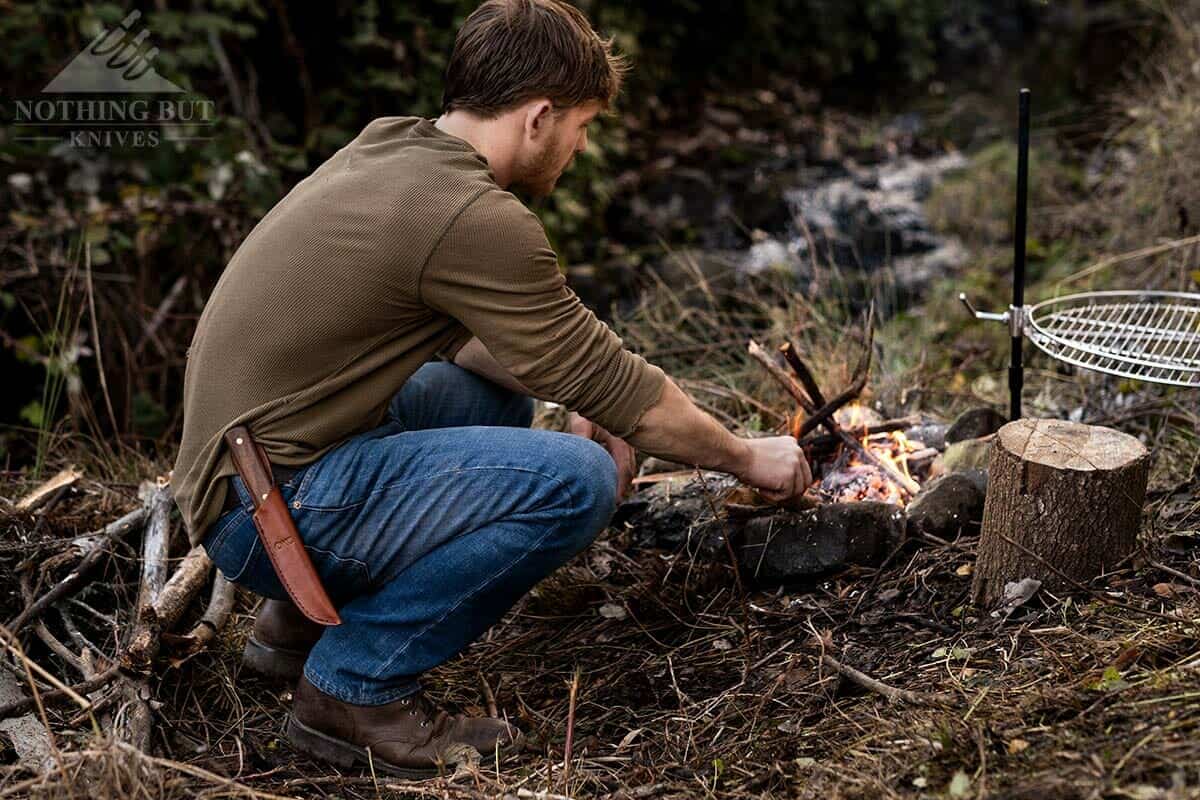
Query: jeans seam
254,545
343,559
477,589
457,471
305,479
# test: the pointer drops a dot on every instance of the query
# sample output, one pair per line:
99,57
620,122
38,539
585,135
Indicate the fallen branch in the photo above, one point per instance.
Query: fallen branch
144,642
174,598
220,603
573,694
879,687
802,372
862,372
1183,576
183,586
75,579
59,695
40,495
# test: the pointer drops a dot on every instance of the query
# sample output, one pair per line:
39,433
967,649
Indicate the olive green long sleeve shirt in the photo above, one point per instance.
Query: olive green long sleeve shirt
399,247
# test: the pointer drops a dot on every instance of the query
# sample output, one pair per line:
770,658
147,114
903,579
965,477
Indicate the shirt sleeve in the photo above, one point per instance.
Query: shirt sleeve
495,272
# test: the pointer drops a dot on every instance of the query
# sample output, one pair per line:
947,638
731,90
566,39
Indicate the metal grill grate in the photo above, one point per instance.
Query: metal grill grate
1150,336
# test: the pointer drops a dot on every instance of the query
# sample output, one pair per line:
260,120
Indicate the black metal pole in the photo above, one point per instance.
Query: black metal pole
1016,367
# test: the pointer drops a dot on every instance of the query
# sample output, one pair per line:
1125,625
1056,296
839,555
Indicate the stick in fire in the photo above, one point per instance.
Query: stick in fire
906,485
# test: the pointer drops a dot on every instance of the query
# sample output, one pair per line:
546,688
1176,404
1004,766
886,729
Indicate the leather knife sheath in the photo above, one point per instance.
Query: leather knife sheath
277,530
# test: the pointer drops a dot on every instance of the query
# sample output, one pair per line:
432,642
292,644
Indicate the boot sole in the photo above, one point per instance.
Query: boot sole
341,753
275,662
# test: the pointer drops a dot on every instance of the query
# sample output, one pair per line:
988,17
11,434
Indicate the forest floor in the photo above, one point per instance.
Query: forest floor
688,689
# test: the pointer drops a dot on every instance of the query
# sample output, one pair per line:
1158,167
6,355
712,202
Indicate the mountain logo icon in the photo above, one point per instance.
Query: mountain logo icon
114,63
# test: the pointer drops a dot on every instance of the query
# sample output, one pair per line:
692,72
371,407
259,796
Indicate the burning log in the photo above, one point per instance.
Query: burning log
906,484
827,440
1064,504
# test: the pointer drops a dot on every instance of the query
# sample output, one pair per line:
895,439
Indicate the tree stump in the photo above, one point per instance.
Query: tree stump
1068,495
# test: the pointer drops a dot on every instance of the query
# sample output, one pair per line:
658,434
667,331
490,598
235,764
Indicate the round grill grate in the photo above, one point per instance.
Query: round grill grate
1149,336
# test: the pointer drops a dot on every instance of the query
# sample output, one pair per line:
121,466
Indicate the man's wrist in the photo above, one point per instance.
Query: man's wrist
738,456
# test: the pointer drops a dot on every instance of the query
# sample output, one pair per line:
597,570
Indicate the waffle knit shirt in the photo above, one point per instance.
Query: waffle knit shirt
398,248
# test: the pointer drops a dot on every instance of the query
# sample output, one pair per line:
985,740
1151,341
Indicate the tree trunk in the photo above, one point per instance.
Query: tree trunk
1061,496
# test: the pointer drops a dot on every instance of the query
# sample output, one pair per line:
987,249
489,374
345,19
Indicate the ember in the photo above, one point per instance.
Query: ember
886,459
847,478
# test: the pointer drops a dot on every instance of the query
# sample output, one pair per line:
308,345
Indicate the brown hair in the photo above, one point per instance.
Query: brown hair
509,51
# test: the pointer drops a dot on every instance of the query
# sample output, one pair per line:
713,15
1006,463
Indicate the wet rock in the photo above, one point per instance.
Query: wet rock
946,507
874,215
929,433
787,547
975,423
967,455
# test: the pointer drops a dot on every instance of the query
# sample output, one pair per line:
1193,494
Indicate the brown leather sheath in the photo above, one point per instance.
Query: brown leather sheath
278,531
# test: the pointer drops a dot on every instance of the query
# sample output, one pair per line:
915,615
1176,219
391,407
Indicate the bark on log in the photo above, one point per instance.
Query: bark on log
1060,494
219,606
136,719
182,587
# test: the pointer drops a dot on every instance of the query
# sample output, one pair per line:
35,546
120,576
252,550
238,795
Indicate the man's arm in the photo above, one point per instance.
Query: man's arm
474,357
675,429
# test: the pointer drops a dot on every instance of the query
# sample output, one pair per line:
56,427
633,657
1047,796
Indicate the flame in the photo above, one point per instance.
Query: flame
854,479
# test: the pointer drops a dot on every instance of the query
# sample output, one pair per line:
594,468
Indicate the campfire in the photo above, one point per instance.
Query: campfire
848,477
862,457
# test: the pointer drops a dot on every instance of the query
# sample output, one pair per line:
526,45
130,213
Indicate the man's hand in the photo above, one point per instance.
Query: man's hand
776,467
622,453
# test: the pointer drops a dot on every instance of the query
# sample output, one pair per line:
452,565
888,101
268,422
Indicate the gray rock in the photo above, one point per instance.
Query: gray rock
930,434
975,423
783,548
968,455
677,514
875,214
946,506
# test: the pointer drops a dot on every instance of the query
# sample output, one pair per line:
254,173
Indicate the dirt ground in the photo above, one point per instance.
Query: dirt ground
689,689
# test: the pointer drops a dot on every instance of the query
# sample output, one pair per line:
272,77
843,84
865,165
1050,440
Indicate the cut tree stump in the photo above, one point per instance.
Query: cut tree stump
1064,503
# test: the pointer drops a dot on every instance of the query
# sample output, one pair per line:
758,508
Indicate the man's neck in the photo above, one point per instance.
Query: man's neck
489,137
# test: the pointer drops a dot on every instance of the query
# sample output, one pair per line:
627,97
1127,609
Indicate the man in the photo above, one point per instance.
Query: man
427,505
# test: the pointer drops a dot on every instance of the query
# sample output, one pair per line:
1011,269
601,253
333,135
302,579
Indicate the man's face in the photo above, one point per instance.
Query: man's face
549,157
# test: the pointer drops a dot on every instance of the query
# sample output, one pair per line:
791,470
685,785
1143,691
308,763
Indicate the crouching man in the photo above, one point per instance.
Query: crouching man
425,503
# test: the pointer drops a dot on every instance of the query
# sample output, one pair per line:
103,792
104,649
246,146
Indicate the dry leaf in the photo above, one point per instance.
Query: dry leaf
1016,746
612,611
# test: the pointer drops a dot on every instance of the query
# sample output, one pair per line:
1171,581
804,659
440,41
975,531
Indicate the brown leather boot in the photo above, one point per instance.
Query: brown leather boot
407,737
280,641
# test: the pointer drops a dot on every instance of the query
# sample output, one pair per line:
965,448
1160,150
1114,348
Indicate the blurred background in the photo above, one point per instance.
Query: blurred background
772,164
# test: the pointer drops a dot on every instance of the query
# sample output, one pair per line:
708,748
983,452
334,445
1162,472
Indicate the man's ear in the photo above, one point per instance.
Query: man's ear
539,118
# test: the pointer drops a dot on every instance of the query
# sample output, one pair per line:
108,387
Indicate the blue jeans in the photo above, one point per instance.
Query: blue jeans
427,529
